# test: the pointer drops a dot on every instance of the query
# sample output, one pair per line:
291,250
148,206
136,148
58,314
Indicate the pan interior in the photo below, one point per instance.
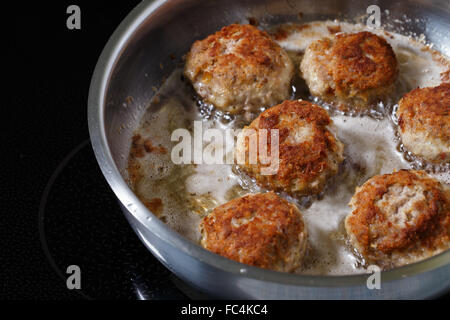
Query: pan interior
148,58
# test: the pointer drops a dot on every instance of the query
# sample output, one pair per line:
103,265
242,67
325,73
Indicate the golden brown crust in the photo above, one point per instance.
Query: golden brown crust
137,147
426,112
304,166
239,58
354,70
362,61
260,230
426,228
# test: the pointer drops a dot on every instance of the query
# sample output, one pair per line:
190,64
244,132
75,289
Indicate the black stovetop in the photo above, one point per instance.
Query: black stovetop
57,209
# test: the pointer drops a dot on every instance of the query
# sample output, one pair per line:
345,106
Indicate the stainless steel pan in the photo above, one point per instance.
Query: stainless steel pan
130,66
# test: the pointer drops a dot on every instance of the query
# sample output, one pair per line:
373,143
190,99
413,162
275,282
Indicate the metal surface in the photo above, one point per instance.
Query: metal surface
130,65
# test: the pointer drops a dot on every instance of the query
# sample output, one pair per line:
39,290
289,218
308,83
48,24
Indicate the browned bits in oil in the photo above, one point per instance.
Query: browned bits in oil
137,148
356,71
350,51
155,205
378,239
445,76
148,146
152,149
286,30
334,29
129,99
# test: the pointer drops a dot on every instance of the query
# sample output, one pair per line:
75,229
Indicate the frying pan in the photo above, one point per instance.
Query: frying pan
129,66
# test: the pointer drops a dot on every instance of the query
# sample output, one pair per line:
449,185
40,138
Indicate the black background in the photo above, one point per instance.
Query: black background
56,208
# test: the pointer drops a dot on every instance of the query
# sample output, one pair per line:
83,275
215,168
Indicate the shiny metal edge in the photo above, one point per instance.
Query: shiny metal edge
99,83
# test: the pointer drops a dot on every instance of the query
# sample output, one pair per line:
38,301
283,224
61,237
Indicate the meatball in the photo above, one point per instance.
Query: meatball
352,71
261,230
399,218
239,68
424,122
308,155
